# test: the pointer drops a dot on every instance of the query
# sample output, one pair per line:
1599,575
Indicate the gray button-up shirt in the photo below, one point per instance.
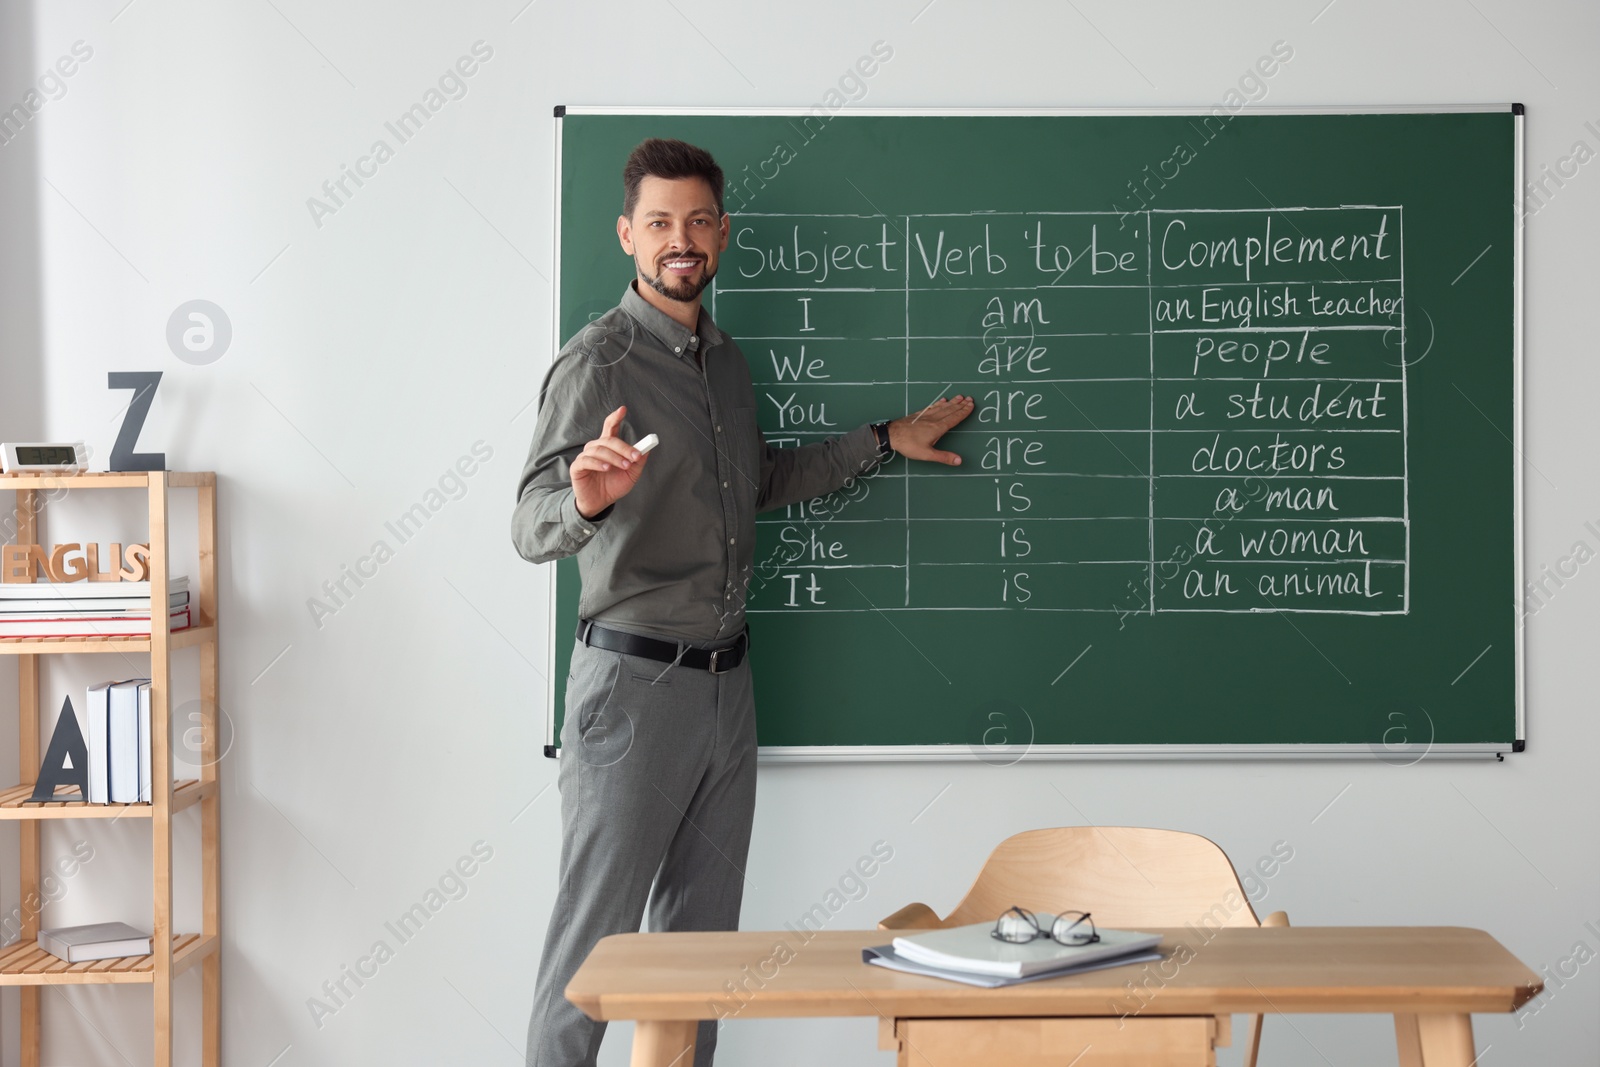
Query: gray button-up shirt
675,557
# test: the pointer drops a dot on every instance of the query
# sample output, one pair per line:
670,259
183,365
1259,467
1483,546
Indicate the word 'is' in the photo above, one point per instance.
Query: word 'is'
74,563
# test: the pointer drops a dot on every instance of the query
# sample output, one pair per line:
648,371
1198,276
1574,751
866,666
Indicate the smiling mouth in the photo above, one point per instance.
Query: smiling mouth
682,265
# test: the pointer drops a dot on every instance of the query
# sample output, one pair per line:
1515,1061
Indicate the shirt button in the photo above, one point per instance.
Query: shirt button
730,540
724,485
679,348
719,429
695,339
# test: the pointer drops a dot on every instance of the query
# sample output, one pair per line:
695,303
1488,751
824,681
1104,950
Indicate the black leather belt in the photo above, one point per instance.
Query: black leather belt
716,660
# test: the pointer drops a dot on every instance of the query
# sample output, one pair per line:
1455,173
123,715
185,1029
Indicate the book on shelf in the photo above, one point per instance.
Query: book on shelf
86,590
96,713
144,741
122,744
93,624
117,735
95,941
53,607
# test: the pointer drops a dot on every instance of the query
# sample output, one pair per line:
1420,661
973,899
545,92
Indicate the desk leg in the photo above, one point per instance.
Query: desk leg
663,1043
1409,1041
1435,1040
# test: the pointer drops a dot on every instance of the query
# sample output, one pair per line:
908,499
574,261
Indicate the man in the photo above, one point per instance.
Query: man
658,766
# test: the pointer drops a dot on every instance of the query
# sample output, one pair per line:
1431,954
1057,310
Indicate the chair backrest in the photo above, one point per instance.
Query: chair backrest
1127,876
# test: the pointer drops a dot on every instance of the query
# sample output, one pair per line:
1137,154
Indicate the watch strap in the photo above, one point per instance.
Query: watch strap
880,430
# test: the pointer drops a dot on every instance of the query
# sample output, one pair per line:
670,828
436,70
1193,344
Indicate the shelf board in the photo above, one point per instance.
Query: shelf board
25,963
185,792
104,480
35,646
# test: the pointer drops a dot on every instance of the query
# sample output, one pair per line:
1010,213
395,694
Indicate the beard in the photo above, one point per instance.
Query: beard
681,290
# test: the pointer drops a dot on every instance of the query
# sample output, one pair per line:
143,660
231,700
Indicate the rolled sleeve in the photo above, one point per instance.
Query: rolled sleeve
573,403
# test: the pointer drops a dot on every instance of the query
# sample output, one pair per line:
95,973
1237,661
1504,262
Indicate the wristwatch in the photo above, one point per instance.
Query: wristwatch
880,430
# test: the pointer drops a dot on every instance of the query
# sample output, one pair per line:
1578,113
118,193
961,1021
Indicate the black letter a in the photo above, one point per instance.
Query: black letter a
66,746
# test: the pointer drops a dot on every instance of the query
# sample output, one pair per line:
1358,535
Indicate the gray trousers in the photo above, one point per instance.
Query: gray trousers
658,783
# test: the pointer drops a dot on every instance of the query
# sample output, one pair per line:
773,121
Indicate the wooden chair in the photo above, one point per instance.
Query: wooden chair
1129,877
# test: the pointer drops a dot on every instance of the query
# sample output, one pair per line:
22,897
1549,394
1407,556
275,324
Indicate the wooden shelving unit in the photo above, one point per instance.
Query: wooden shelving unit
24,964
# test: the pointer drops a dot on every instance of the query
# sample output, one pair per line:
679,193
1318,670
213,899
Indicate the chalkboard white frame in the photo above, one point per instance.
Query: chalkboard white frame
1403,754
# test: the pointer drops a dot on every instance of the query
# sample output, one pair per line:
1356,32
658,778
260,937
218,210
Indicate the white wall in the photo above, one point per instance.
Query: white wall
371,352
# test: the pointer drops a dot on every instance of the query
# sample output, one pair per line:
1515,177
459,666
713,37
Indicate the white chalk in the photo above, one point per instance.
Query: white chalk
647,443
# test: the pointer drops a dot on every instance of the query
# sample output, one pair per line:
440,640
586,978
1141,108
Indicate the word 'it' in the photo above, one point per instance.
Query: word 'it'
74,563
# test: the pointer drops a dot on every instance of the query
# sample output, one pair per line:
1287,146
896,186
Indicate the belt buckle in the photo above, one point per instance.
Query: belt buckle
741,644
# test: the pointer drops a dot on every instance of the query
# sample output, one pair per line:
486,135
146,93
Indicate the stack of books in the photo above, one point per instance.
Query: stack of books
118,737
98,941
86,609
969,954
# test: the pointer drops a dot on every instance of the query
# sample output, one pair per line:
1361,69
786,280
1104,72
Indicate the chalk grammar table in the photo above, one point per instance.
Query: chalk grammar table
1170,1013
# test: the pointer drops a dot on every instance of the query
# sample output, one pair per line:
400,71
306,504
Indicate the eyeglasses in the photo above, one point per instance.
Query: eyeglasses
1018,927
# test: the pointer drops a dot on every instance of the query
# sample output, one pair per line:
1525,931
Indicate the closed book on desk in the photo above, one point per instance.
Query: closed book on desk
973,949
97,941
885,956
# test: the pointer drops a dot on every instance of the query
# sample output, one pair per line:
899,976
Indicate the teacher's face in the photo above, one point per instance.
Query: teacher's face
675,236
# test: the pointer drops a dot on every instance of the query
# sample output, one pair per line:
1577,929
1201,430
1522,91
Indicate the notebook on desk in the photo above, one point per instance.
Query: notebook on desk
972,948
885,956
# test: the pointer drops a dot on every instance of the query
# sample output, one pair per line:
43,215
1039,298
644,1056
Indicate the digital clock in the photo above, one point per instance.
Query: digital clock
44,457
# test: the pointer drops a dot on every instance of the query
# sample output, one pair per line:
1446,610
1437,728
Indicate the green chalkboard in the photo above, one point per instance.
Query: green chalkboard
1243,474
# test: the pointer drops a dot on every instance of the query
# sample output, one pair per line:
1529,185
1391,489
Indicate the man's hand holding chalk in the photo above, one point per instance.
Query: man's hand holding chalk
608,467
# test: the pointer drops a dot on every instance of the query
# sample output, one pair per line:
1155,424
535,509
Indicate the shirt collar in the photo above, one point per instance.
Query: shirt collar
668,330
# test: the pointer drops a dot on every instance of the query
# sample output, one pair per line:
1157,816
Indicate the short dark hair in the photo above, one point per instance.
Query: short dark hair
662,158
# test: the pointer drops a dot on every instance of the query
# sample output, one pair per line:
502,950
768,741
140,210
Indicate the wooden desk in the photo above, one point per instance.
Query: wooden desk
1429,978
